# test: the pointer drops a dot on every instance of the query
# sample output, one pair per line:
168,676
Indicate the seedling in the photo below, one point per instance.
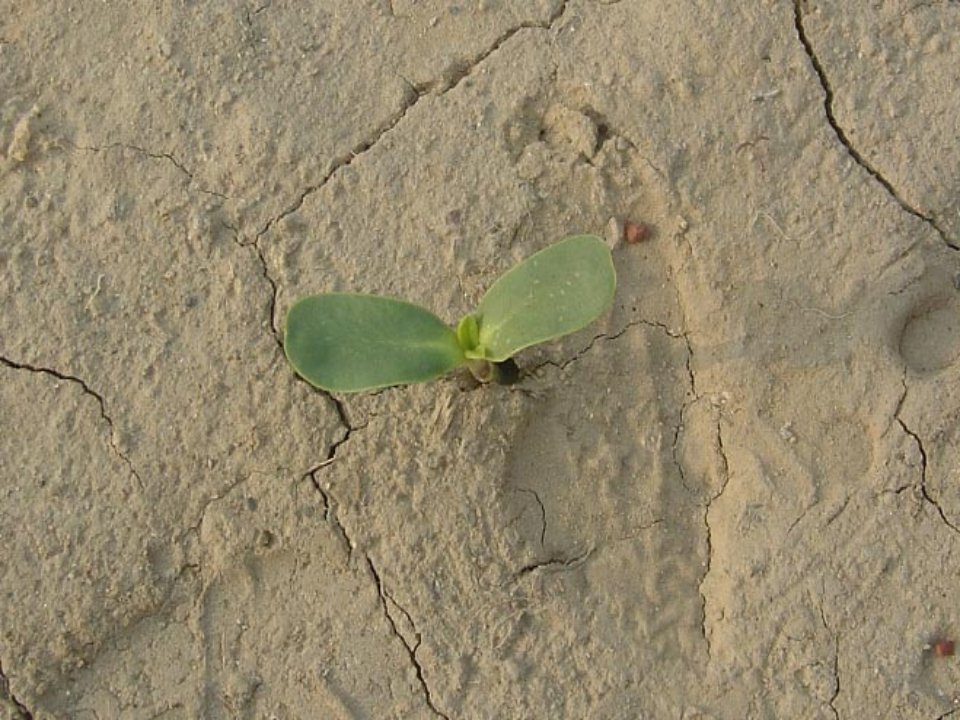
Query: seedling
345,342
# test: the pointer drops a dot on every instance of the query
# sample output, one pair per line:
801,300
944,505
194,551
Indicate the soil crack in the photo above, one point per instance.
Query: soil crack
606,337
563,564
386,602
708,564
924,490
196,526
169,157
674,448
358,151
677,461
265,272
844,139
23,713
454,79
555,563
543,512
50,372
330,503
597,338
836,664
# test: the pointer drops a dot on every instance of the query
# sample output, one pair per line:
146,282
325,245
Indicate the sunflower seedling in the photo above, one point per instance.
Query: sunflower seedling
345,342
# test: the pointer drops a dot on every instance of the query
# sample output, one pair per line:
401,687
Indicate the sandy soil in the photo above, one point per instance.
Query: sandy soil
735,496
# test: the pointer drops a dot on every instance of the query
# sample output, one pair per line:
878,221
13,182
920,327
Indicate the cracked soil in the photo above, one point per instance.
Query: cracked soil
736,495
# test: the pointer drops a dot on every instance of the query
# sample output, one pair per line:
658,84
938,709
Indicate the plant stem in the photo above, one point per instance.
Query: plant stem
503,373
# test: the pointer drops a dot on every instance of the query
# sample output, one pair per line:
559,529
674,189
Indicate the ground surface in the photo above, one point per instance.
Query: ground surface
735,496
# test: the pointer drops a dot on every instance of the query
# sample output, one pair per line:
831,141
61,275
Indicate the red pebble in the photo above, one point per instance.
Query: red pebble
634,233
943,648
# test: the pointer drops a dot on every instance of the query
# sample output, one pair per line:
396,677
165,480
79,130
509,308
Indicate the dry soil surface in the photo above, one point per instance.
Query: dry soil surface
737,495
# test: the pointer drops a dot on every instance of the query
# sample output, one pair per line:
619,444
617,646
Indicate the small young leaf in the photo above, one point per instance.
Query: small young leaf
346,343
468,333
550,294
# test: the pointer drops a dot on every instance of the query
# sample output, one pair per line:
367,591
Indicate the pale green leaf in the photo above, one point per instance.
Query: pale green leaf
550,294
346,342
